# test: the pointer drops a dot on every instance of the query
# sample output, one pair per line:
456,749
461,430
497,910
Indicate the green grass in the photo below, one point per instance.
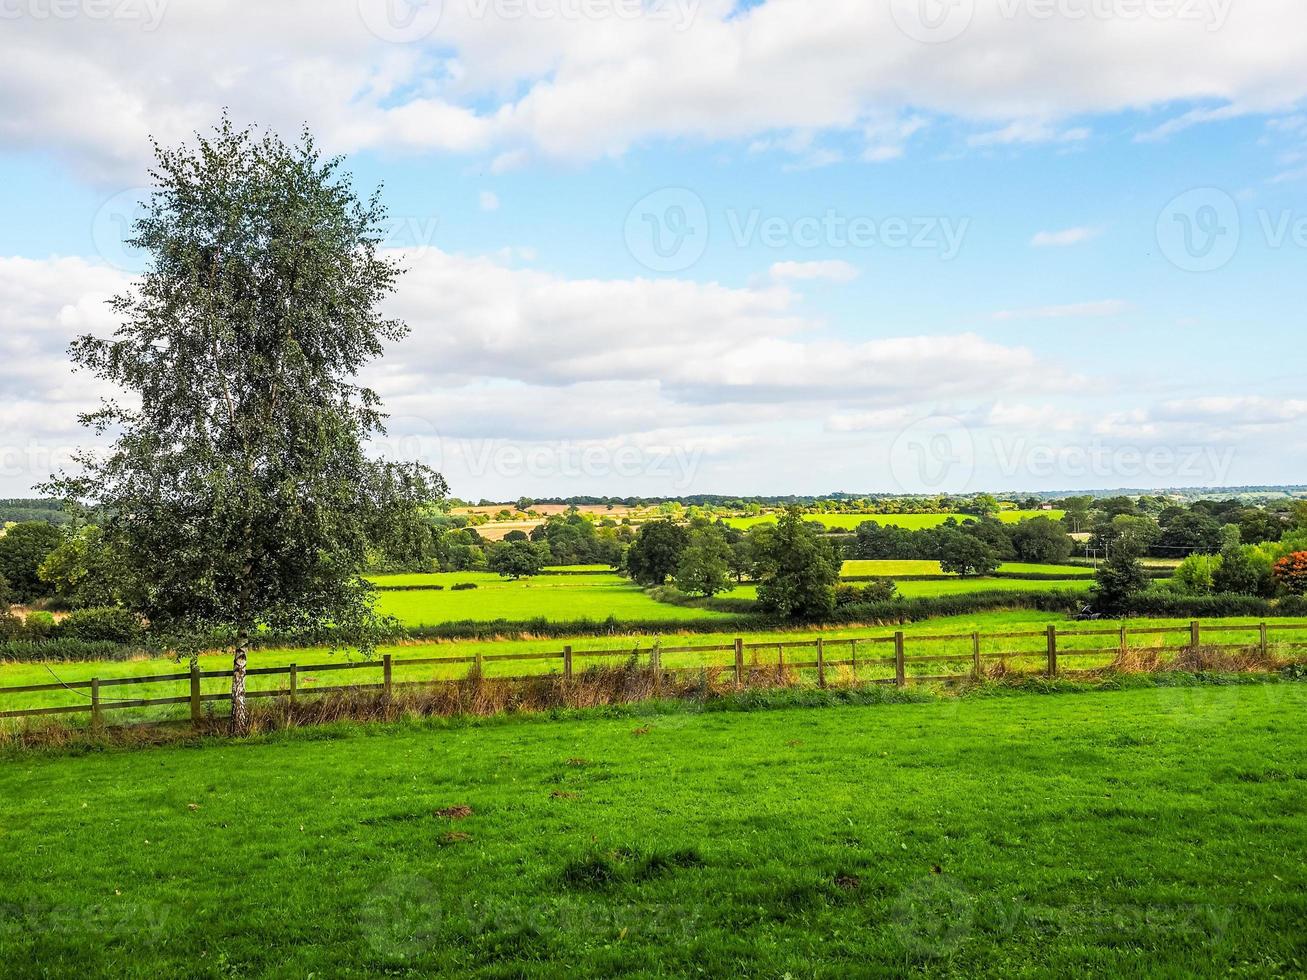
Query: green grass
1031,621
915,522
554,597
887,568
955,586
1141,832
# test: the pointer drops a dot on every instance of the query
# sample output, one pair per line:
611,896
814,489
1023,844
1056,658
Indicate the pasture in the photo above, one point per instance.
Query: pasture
1026,653
552,597
1153,830
913,522
894,568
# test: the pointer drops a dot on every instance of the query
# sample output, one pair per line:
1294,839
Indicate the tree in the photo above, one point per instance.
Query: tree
22,549
86,571
1193,533
518,559
797,567
705,564
1244,570
1118,580
1194,575
239,488
1291,572
1041,540
516,535
6,597
963,554
656,551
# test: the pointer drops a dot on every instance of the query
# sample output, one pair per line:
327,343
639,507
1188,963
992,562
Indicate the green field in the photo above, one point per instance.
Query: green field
915,522
955,586
1138,832
554,597
759,652
896,568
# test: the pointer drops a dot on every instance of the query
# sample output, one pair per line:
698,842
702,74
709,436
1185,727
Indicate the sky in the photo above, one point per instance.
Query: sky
706,246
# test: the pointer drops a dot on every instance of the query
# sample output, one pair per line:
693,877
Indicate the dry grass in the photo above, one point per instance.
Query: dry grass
629,683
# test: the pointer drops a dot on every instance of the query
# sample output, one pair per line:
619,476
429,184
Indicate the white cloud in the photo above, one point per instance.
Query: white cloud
91,89
1107,307
1065,237
832,270
489,201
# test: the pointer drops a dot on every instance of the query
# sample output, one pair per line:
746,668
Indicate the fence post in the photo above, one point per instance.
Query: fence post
821,662
900,677
386,676
1052,650
1195,635
656,665
1125,642
97,719
739,661
975,655
1265,641
196,716
567,662
294,682
479,667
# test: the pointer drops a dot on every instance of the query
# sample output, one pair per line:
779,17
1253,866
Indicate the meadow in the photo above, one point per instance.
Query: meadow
1149,830
895,568
553,597
914,522
1026,654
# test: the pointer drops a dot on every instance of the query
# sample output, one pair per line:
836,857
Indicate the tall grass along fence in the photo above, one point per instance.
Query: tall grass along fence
893,659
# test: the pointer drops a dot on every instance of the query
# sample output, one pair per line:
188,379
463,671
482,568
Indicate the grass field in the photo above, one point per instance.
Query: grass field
1034,622
1138,832
554,597
954,586
896,568
915,522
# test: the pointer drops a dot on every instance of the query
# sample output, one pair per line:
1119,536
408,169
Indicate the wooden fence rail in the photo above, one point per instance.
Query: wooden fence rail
1050,652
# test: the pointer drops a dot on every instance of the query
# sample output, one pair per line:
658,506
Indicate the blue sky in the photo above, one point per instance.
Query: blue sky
770,248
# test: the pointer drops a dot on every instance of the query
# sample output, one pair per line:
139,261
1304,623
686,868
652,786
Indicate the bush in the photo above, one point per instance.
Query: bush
39,625
877,590
63,649
102,625
462,586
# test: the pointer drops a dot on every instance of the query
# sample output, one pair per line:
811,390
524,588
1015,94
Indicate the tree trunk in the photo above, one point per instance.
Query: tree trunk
240,712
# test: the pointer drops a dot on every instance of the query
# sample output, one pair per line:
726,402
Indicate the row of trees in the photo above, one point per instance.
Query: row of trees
970,547
796,566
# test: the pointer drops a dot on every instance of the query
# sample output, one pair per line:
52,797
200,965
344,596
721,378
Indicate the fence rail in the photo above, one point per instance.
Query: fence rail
1048,654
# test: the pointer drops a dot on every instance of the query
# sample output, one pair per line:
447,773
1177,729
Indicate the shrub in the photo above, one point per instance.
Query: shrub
1291,572
877,590
462,586
39,625
106,624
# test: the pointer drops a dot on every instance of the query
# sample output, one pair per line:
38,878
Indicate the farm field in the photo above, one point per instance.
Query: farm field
892,568
954,586
760,652
553,597
1148,831
915,522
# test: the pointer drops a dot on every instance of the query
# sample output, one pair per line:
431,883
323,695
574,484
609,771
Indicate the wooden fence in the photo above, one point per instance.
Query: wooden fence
821,654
